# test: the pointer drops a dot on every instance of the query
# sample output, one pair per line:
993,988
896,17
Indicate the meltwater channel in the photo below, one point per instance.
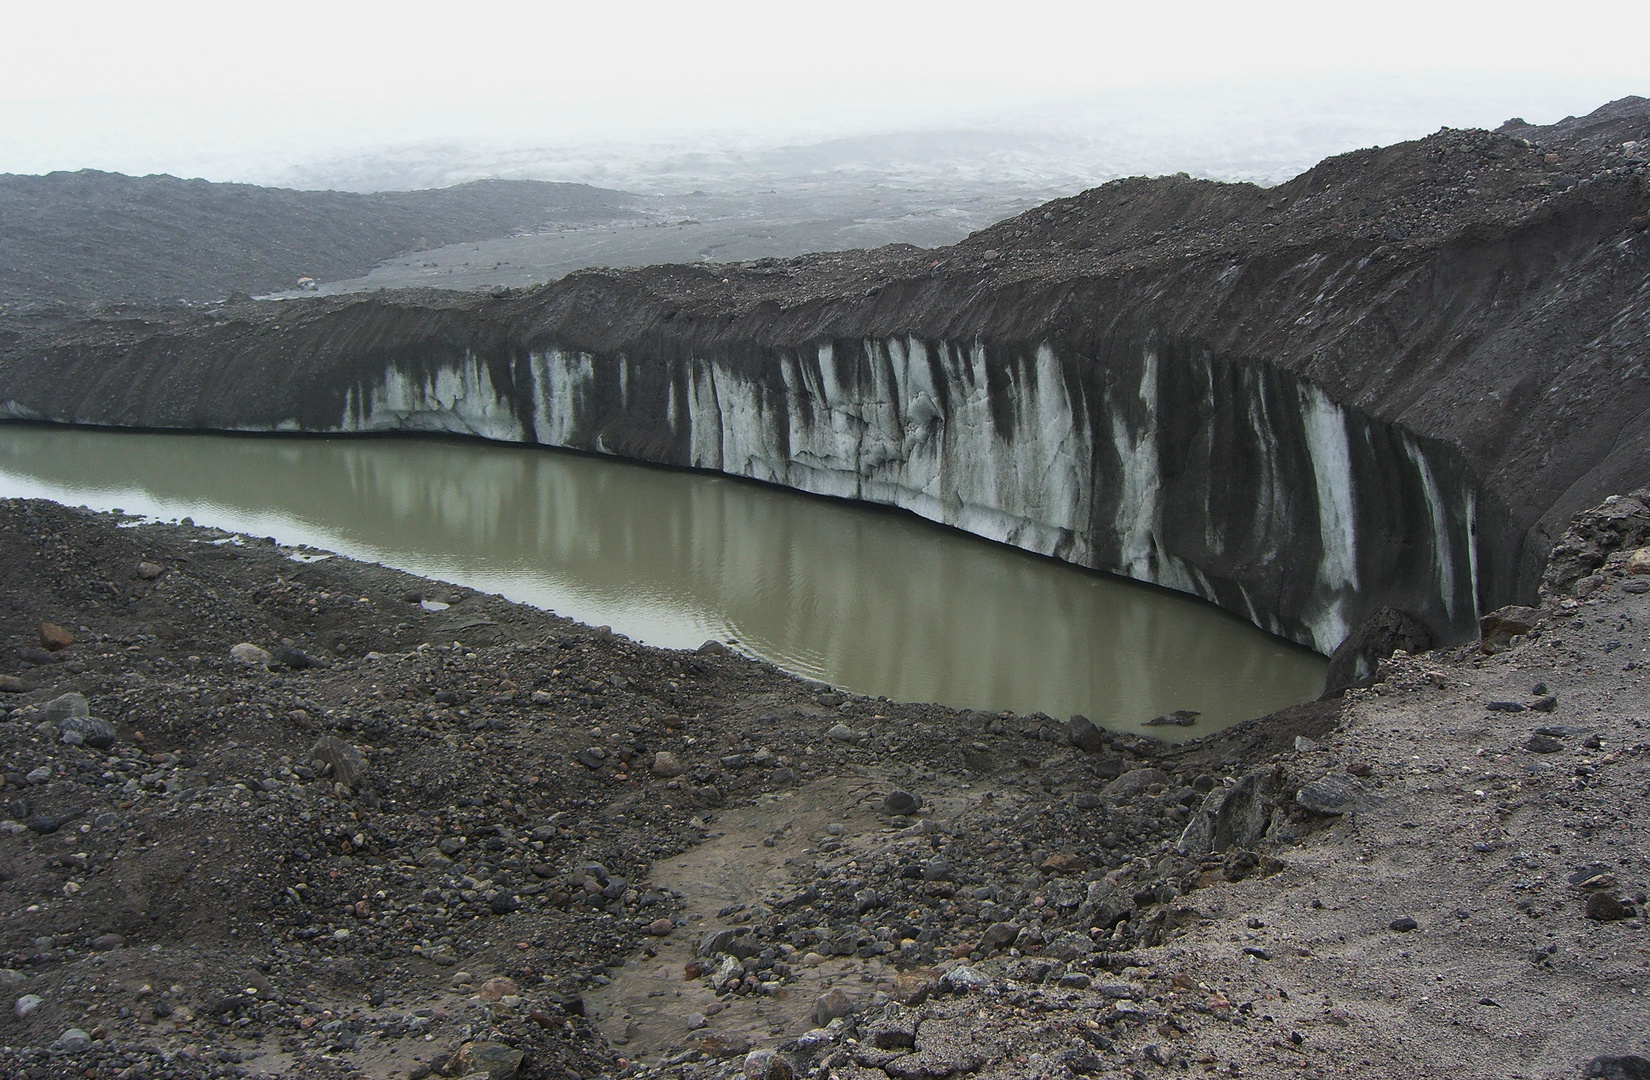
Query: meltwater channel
869,600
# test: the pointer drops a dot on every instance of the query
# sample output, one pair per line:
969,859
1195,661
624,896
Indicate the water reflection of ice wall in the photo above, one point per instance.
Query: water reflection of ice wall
870,600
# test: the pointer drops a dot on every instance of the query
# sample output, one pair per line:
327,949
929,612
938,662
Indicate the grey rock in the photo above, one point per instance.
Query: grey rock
895,1029
1329,796
841,733
1069,946
1629,1067
736,941
962,979
248,653
61,708
768,1065
74,1040
1233,816
667,764
88,730
25,1005
498,1061
1134,782
1543,744
1102,908
348,764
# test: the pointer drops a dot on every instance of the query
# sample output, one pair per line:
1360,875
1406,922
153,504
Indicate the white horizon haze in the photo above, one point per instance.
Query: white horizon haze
368,96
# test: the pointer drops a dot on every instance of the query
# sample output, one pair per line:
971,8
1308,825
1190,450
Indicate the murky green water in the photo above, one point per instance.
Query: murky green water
875,602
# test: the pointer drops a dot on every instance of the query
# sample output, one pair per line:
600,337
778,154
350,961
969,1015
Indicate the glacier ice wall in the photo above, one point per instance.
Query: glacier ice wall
1233,481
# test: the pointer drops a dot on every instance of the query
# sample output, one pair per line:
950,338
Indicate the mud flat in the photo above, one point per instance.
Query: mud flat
418,837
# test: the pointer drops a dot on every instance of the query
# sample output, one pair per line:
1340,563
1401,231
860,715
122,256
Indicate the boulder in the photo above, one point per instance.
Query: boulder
348,764
61,708
1133,782
1083,733
832,1004
248,653
1329,796
498,1061
1499,627
1232,816
88,730
737,941
1630,1067
901,803
53,638
1355,660
999,935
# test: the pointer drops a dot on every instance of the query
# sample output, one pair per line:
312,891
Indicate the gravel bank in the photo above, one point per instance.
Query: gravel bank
312,817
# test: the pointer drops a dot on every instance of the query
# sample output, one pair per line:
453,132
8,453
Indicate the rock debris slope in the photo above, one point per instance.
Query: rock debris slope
268,815
1388,382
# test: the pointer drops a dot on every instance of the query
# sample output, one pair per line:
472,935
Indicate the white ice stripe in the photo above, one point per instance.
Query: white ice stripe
1443,562
1330,449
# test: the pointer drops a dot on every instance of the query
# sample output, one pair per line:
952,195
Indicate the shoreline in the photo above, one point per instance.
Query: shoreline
1030,917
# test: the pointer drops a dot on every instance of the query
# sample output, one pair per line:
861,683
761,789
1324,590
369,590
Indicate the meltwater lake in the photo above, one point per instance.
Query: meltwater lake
869,600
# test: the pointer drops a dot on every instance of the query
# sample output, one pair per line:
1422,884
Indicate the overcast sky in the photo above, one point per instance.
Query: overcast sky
235,91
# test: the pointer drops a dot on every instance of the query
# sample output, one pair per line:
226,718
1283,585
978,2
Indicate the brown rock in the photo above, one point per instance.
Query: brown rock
498,989
498,1061
1499,627
721,1044
667,764
912,987
11,684
660,927
1602,907
832,1003
999,935
1639,561
53,637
